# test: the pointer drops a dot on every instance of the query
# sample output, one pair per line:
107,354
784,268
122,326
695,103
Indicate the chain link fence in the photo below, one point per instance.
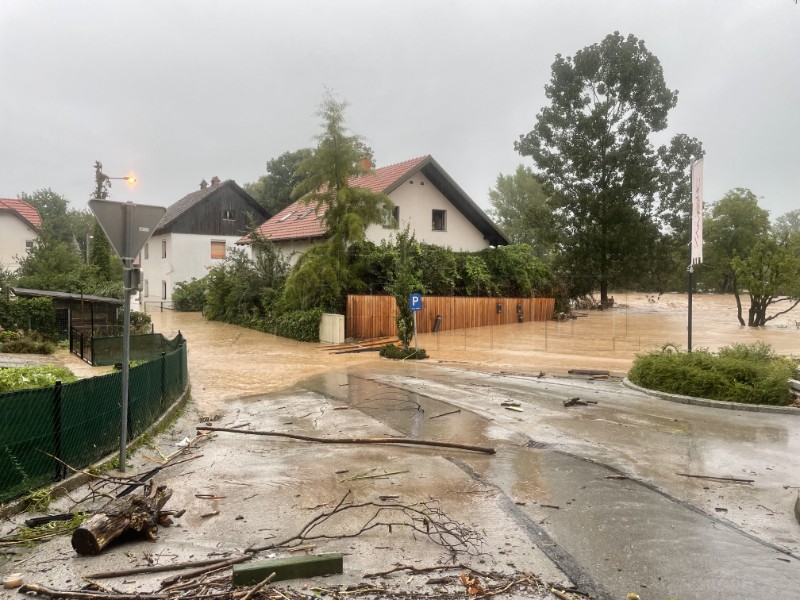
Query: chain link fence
79,423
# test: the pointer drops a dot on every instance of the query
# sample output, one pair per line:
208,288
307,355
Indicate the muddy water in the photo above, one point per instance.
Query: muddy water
611,339
226,361
625,535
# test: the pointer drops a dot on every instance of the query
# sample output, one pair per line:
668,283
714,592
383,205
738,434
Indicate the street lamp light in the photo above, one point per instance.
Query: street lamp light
131,179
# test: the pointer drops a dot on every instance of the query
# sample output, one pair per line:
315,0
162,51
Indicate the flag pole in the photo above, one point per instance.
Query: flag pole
691,245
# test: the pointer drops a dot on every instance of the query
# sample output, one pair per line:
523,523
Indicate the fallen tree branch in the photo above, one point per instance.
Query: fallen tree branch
205,569
33,588
713,478
426,518
156,568
417,570
307,438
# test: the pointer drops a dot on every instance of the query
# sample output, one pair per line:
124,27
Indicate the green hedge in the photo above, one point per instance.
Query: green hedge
750,374
29,314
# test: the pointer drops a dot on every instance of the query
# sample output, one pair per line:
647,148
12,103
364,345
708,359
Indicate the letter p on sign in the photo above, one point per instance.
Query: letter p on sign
415,301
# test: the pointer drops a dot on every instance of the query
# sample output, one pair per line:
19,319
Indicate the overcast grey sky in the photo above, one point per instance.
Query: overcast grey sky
182,90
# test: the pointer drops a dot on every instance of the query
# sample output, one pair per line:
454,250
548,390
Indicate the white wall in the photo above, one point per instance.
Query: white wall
188,255
13,235
416,202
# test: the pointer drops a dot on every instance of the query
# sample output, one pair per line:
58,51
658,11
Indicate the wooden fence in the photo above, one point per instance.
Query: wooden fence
373,316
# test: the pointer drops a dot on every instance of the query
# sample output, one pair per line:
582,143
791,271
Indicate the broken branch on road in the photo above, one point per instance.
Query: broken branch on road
713,478
399,440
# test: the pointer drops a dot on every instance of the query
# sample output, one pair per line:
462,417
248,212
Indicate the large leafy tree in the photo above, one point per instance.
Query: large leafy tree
274,190
592,147
521,206
770,274
787,224
346,211
734,226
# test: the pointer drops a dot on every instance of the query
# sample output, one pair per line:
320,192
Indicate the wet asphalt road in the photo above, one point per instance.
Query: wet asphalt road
608,507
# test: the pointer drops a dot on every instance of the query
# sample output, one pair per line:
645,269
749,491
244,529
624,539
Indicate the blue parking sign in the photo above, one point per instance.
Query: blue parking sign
416,301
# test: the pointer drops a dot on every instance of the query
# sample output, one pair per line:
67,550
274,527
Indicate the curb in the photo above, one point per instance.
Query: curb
764,408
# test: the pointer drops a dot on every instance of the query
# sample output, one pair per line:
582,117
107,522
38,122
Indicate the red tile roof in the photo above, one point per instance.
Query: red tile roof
23,210
298,220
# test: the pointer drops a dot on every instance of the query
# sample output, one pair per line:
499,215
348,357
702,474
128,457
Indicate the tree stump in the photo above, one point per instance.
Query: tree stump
130,513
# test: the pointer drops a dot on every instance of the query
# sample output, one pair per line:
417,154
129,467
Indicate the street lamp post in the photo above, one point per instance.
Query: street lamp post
128,226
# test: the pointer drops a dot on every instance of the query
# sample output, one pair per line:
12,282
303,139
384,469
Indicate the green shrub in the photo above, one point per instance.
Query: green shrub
27,346
190,296
392,351
26,378
740,373
300,325
29,314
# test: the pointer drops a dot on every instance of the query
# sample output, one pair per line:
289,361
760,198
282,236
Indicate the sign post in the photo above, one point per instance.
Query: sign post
696,241
415,302
128,226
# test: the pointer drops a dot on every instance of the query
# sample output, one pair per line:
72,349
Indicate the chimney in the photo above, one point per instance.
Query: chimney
365,163
214,181
203,184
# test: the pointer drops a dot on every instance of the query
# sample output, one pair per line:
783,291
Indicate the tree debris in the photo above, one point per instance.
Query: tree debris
713,478
398,440
131,513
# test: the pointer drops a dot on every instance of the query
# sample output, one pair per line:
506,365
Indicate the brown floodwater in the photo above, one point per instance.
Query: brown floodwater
226,361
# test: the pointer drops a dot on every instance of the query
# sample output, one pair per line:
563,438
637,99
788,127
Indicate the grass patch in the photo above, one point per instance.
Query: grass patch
749,374
393,352
26,378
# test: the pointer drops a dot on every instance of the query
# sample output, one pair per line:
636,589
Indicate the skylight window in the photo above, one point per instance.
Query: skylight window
286,216
305,214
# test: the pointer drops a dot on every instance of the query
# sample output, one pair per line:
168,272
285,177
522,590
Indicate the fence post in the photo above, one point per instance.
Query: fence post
60,470
163,378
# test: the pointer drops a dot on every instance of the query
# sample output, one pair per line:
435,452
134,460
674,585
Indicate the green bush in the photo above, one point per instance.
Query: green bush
189,296
26,378
27,346
740,373
392,351
300,325
29,314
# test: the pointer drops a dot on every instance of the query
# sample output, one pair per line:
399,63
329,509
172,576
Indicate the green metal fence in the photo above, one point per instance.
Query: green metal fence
80,422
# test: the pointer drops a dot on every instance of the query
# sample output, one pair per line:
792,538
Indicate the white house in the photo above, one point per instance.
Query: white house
194,234
19,229
425,197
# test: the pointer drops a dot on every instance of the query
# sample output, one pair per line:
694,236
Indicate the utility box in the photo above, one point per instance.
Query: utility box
331,329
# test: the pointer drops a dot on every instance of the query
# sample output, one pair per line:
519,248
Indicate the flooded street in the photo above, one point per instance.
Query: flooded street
597,488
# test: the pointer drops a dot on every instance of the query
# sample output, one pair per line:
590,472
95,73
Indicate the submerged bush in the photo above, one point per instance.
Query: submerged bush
392,351
750,374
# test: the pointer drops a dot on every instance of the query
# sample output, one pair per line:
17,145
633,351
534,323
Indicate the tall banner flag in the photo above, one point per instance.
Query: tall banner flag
697,212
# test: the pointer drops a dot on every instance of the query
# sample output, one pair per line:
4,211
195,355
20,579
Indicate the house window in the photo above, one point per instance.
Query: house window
286,216
163,248
228,215
439,220
163,290
28,245
395,217
146,253
217,249
146,288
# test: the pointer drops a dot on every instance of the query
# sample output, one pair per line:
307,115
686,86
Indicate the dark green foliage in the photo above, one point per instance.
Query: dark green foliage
523,208
28,345
516,270
739,373
393,352
406,279
28,314
592,147
321,277
300,325
273,191
438,270
189,296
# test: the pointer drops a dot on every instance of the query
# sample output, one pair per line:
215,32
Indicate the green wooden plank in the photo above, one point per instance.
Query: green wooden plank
295,567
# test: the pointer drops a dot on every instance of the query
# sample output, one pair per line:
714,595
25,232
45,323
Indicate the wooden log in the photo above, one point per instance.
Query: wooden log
288,568
130,513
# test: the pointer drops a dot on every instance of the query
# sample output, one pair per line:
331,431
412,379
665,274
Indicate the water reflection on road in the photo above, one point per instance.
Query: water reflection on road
625,532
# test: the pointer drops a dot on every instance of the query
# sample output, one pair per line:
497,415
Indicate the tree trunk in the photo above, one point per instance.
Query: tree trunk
604,294
130,513
738,306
